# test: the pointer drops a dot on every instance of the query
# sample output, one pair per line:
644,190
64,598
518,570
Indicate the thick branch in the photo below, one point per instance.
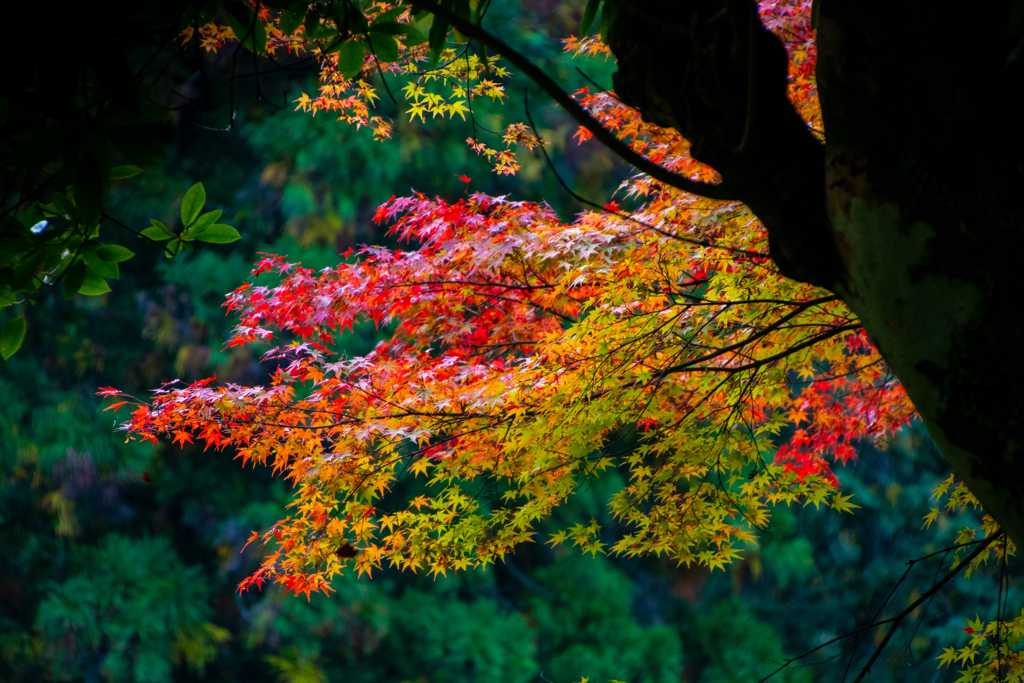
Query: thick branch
711,71
555,92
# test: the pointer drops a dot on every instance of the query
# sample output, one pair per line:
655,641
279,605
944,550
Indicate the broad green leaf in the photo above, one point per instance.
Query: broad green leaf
155,234
93,285
23,276
192,204
114,252
100,266
348,15
74,276
159,231
350,58
11,337
589,14
384,48
203,222
122,172
218,233
208,11
7,297
390,15
290,22
316,30
388,28
611,9
413,36
63,206
438,34
247,27
200,13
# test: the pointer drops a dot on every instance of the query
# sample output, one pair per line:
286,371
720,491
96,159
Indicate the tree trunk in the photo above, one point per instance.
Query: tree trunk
911,211
925,175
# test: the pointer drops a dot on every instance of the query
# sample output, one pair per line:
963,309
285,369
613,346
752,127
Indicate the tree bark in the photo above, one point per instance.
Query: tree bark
911,211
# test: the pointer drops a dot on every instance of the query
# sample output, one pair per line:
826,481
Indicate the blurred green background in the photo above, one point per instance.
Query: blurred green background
107,577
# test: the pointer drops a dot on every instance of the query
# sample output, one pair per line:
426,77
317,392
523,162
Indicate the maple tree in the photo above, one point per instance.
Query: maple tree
713,342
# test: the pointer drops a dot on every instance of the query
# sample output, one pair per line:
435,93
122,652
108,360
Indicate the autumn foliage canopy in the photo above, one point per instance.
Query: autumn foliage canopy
528,354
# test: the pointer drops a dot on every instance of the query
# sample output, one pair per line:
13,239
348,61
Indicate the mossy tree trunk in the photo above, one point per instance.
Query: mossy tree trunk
912,211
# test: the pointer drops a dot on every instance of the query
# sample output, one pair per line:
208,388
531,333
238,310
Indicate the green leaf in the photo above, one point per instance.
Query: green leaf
122,172
23,276
247,27
199,13
388,28
438,34
11,337
390,15
192,204
348,15
74,276
218,233
315,30
350,58
608,14
158,232
114,252
208,11
203,222
384,48
7,297
94,285
289,22
589,14
62,205
100,266
413,36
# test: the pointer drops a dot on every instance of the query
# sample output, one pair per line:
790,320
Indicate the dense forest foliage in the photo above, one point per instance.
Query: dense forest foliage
120,560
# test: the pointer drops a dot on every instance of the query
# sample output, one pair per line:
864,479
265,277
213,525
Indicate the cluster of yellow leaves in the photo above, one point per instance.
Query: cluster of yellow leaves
463,75
447,89
999,645
959,500
998,642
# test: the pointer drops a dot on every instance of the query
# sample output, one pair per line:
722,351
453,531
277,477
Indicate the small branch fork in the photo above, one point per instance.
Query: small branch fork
896,620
